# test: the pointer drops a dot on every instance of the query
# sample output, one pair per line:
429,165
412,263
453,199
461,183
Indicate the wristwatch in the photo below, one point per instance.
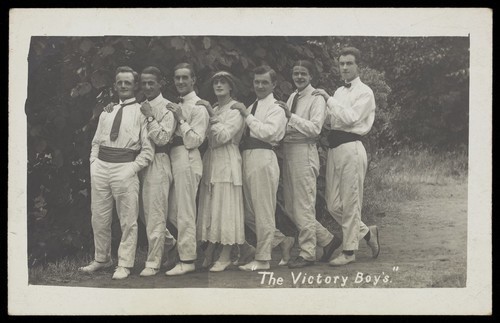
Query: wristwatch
149,119
181,122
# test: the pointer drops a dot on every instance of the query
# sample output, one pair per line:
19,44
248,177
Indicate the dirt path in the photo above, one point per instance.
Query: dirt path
423,244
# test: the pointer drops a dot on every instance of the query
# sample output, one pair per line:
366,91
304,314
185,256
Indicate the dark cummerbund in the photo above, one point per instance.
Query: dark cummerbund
337,138
254,143
162,149
176,141
117,155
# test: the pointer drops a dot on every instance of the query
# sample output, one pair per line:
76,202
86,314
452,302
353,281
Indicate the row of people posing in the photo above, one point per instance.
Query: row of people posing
236,188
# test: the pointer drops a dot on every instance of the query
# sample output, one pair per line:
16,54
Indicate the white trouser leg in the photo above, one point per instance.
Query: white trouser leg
155,191
187,171
102,210
345,173
260,185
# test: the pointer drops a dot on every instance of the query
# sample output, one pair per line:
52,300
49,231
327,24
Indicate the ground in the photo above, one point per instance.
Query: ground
423,244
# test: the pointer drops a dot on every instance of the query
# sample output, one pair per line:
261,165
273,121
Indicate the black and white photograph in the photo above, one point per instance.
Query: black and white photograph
247,161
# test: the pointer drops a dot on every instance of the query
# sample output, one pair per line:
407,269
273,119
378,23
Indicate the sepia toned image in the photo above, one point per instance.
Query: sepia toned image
247,166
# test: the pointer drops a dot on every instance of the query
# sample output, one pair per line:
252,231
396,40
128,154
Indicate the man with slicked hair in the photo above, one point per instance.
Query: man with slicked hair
157,177
187,165
350,115
306,115
266,123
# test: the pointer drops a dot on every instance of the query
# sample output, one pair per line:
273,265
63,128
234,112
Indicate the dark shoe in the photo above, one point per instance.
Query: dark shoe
330,248
374,242
300,263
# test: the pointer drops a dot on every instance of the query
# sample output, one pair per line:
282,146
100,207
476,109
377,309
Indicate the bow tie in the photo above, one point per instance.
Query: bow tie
179,100
347,85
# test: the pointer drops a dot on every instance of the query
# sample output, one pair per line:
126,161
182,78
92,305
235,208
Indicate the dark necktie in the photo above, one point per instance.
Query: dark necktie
180,100
254,108
115,128
347,85
294,102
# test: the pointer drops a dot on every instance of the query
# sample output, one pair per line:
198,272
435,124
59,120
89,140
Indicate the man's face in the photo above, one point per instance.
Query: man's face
263,85
301,77
348,67
150,85
183,80
125,85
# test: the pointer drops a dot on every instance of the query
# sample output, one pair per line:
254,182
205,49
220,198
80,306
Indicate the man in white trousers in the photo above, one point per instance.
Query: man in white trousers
157,177
351,112
266,123
120,149
306,114
187,166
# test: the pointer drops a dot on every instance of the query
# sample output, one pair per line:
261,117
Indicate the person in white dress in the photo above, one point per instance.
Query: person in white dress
220,208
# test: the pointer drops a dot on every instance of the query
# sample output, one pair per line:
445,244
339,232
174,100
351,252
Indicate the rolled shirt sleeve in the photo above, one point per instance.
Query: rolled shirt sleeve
161,130
311,127
147,151
194,132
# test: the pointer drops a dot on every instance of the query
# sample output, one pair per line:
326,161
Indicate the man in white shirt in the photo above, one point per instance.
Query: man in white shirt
187,166
157,177
120,149
306,115
266,123
351,112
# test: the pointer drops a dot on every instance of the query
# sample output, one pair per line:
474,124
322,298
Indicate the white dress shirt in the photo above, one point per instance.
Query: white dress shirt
309,116
269,122
161,129
193,131
352,109
133,134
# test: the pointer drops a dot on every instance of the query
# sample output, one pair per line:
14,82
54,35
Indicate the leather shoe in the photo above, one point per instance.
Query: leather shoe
180,269
342,260
330,248
300,263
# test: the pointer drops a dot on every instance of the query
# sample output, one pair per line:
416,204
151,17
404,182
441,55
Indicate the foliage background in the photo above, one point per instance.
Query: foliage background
421,87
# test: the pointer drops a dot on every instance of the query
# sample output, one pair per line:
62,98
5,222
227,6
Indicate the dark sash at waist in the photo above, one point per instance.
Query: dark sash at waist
117,155
254,143
337,138
162,149
176,141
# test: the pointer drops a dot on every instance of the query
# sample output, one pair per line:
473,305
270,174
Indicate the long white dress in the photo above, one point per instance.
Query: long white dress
220,207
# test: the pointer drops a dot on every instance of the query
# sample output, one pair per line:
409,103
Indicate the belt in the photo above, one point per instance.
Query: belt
254,143
337,138
117,155
176,141
162,149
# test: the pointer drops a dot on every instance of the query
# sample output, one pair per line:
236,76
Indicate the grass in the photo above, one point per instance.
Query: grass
393,179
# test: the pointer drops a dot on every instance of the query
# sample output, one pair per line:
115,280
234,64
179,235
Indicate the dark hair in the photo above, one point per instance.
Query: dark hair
185,65
153,71
263,69
351,51
307,64
226,76
127,69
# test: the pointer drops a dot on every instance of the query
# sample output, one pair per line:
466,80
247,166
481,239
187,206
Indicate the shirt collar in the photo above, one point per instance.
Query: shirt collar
268,99
308,89
355,82
156,100
127,100
189,96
